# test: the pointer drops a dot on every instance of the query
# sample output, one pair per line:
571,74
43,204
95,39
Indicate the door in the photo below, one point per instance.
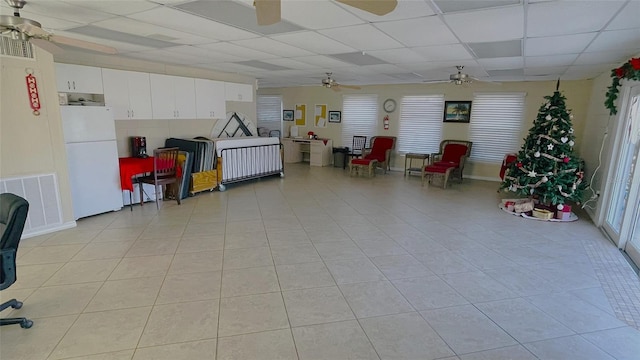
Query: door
139,95
623,205
163,99
210,99
185,97
116,93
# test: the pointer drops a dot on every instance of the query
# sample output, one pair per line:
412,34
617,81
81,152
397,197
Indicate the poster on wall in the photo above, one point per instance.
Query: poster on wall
320,116
301,114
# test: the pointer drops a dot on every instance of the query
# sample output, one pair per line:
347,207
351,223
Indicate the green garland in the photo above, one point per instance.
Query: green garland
630,71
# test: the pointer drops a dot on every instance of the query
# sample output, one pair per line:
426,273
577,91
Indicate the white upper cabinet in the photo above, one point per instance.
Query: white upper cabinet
128,93
238,92
173,97
210,99
78,79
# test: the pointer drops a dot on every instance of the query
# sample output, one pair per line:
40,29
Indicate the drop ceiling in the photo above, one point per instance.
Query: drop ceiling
421,40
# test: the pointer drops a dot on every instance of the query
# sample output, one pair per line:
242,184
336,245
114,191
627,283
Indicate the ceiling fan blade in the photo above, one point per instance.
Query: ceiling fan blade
377,7
435,81
335,88
47,46
82,44
351,87
267,11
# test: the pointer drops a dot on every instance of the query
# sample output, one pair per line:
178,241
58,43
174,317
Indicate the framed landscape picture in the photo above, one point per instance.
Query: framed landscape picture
287,115
457,111
335,116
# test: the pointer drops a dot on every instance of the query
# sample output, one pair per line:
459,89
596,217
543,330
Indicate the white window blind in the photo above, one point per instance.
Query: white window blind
269,110
420,124
359,117
496,120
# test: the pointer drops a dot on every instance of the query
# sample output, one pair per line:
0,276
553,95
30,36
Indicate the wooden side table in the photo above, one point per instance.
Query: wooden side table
408,159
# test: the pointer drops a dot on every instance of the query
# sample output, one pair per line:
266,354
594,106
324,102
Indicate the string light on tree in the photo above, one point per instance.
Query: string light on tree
547,166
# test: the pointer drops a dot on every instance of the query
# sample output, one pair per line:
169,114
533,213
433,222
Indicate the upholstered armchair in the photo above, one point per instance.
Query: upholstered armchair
449,162
378,155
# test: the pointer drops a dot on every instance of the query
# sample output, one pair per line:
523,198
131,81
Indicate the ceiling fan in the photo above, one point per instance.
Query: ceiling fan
330,83
268,11
458,78
20,28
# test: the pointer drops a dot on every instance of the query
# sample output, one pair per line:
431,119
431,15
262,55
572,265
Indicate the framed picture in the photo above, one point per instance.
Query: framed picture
287,115
335,116
457,111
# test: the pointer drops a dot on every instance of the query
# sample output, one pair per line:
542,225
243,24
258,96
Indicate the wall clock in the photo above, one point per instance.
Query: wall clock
389,105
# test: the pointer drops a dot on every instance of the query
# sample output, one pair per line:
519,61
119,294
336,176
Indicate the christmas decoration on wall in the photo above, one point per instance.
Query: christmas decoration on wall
630,71
547,166
32,90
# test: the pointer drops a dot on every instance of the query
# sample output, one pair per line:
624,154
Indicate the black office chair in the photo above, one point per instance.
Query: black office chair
13,215
274,133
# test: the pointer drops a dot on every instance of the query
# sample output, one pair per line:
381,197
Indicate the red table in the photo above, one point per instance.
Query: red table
131,166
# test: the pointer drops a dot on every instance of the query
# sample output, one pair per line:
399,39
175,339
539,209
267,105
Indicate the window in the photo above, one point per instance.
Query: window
420,124
496,120
269,109
359,117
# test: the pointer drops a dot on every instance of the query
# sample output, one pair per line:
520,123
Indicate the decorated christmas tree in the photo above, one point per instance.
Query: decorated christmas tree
547,167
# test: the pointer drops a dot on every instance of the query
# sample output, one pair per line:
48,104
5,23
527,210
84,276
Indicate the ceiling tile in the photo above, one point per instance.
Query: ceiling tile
554,45
262,65
616,40
122,47
550,60
509,72
424,31
397,56
231,68
291,63
323,61
243,52
588,71
188,23
114,7
130,26
448,6
406,9
604,57
498,49
166,56
236,14
516,62
313,42
108,34
64,11
545,70
362,37
313,14
49,23
444,52
207,55
569,17
358,58
627,18
272,47
488,25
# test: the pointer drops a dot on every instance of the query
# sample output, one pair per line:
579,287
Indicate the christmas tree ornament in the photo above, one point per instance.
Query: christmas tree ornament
564,139
548,117
571,131
536,154
573,187
532,174
566,160
519,165
571,143
550,147
531,191
560,207
545,179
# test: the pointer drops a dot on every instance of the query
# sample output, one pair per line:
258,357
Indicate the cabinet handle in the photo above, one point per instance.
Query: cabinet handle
132,113
128,113
74,85
69,85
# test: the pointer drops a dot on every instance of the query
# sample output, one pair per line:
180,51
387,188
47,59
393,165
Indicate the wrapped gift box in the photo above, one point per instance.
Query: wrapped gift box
565,213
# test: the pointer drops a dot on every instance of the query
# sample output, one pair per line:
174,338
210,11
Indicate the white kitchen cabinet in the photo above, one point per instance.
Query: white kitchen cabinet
128,93
78,79
210,99
238,92
173,97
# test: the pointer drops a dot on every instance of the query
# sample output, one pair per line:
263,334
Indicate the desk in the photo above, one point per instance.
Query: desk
320,151
408,158
131,166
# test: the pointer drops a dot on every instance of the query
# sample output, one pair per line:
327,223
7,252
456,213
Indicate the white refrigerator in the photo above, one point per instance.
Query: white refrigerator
92,156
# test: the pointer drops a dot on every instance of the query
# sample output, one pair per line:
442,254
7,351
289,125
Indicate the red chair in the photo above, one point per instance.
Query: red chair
378,156
449,161
508,159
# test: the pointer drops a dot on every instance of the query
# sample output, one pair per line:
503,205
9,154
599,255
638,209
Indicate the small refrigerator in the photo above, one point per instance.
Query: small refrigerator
92,157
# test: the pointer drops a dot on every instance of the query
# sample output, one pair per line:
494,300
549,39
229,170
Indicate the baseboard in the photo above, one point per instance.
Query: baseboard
485,178
41,231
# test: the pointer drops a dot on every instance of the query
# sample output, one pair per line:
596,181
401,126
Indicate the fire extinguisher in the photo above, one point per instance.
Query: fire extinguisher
385,121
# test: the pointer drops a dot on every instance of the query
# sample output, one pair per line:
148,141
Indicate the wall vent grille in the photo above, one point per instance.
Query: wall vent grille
15,47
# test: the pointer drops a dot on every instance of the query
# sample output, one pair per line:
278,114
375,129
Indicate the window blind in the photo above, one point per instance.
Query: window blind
420,124
496,121
359,117
269,111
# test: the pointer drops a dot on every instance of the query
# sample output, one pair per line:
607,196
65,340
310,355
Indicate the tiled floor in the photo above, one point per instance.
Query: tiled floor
319,265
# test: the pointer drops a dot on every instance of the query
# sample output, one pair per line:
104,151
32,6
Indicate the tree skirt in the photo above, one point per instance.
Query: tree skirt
572,216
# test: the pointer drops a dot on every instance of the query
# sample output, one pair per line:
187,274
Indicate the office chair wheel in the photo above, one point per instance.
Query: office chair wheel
222,187
17,305
25,324
281,174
